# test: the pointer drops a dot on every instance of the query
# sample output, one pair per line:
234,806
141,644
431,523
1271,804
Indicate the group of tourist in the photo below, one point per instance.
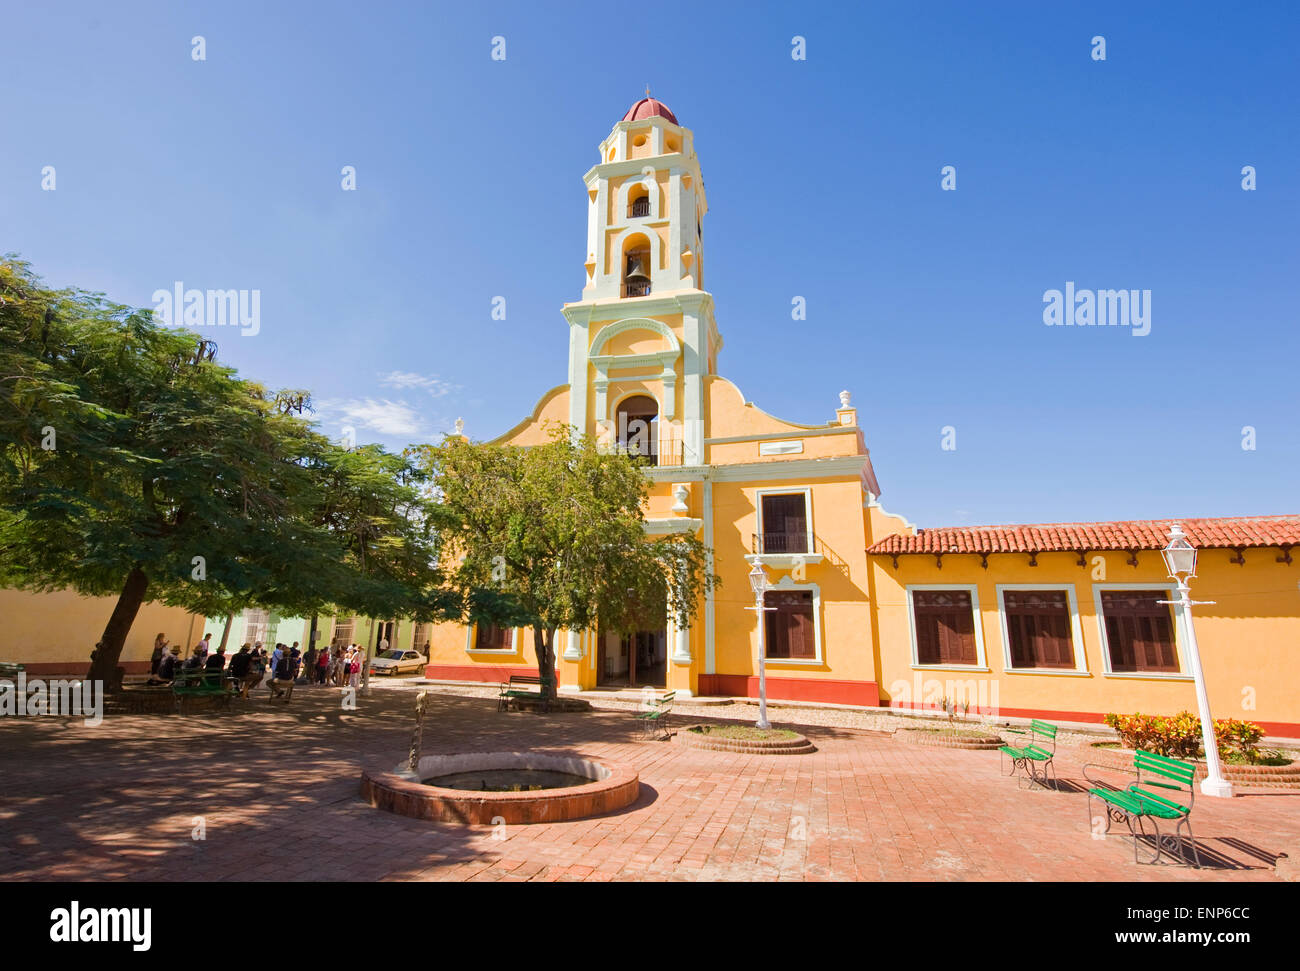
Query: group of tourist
335,665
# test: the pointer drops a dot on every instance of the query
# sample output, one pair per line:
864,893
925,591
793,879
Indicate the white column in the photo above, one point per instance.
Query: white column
694,364
681,641
578,339
673,196
573,646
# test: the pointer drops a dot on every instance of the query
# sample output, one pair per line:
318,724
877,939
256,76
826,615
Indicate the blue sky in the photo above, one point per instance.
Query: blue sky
824,182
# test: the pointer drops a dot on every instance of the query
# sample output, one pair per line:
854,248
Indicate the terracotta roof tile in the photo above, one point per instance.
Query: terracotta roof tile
1137,534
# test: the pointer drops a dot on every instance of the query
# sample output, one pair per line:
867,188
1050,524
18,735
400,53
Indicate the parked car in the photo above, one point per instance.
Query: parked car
395,662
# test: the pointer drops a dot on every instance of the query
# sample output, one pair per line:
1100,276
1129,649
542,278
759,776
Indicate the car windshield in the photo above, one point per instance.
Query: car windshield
392,655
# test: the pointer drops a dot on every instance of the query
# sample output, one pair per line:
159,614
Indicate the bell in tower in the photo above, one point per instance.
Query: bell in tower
637,279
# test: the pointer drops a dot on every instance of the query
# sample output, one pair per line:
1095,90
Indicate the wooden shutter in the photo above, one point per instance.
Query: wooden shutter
1139,631
490,637
788,630
1038,627
785,524
945,627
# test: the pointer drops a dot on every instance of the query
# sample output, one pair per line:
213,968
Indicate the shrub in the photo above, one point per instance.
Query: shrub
1179,736
1237,736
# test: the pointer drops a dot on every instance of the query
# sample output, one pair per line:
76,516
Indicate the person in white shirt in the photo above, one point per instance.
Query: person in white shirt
202,646
356,658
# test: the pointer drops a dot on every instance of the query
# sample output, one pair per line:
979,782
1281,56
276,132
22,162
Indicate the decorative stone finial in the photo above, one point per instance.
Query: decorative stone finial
460,426
845,397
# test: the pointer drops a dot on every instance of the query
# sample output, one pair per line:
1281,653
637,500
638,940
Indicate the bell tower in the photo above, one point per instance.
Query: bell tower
644,325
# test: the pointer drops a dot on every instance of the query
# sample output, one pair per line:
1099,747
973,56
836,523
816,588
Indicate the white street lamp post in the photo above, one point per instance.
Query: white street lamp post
1180,559
758,580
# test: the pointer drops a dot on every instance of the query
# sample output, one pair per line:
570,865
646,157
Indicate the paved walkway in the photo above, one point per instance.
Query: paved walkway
276,791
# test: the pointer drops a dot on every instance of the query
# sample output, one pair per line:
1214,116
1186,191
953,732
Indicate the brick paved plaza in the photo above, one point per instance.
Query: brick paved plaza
278,791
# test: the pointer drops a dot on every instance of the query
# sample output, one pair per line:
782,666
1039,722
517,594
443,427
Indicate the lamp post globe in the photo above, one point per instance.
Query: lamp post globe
1179,555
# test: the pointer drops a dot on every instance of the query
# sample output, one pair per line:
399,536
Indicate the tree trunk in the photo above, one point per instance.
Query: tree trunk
225,631
544,644
104,667
365,671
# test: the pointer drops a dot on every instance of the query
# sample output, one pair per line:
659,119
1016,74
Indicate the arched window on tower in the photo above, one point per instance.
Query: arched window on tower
638,427
638,202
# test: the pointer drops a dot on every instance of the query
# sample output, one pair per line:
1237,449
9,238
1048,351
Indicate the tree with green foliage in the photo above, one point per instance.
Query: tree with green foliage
132,463
552,536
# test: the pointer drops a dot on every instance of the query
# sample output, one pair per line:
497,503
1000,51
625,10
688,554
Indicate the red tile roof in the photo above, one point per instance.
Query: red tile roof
648,108
1141,534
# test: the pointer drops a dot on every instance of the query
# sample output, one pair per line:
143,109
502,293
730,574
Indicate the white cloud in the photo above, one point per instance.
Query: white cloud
396,418
393,419
404,380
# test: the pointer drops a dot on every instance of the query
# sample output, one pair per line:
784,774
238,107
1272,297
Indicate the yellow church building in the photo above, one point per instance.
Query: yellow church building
1058,620
863,609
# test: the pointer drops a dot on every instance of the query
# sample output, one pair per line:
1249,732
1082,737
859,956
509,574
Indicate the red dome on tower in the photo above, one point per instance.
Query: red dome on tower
648,107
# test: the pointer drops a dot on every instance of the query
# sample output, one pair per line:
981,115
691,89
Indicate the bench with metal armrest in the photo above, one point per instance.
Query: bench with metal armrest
654,716
520,686
1034,759
201,683
1137,803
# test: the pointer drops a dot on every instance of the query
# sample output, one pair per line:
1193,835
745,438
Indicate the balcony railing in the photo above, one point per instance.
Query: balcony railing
782,543
668,451
636,289
639,207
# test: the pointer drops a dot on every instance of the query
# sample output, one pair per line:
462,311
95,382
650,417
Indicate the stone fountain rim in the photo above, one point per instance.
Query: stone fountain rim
401,790
432,766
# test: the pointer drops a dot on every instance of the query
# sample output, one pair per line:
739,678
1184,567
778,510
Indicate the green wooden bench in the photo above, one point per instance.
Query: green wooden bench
520,686
201,683
1136,804
654,716
1033,759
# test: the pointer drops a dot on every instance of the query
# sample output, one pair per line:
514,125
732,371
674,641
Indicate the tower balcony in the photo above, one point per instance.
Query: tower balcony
636,289
640,207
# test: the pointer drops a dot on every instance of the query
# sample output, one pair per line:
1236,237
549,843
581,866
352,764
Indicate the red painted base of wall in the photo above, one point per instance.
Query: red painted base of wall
824,690
491,673
77,669
1278,729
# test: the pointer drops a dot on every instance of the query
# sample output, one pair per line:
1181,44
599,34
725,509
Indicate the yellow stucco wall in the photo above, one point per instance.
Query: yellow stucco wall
1249,638
838,581
533,430
53,633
